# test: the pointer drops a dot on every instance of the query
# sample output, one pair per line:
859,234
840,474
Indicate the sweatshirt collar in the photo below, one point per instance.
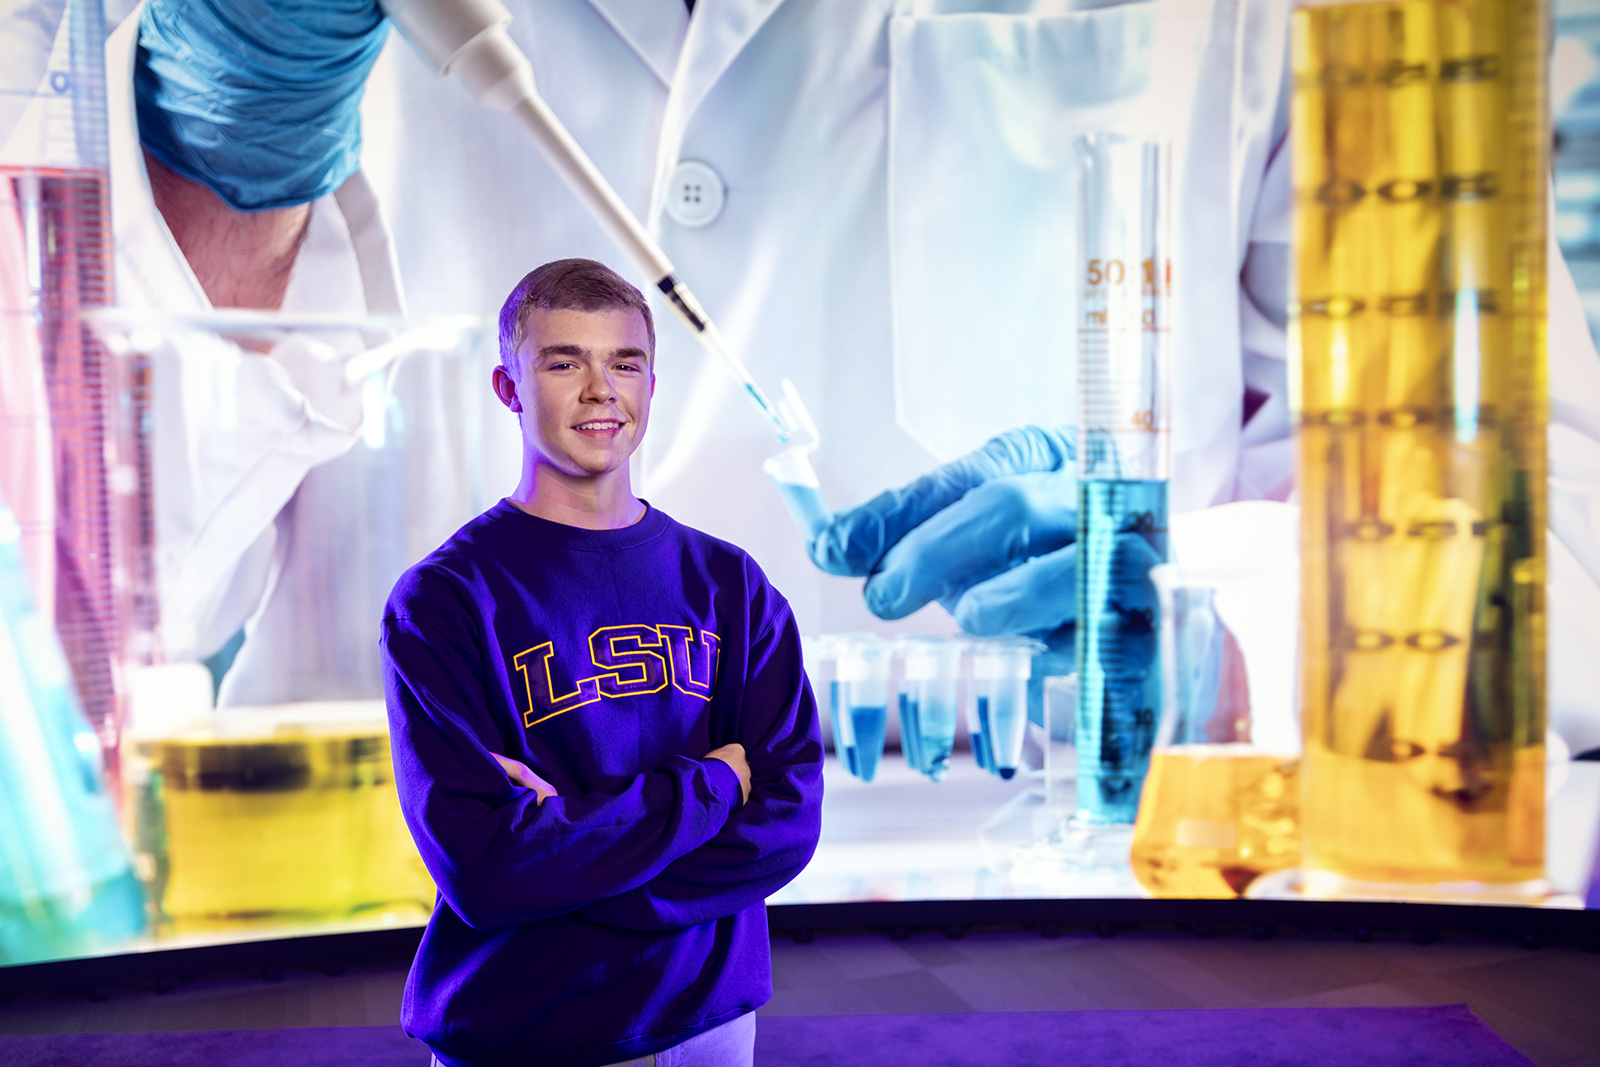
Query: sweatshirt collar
560,535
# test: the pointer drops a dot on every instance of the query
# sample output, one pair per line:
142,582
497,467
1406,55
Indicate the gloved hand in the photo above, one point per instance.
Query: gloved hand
989,536
259,100
992,537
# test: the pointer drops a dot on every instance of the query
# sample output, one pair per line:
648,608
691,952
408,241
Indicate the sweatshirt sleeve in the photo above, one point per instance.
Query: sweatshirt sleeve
498,857
769,840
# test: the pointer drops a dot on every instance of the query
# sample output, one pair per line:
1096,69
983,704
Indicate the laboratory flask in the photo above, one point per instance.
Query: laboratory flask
1126,284
74,485
1418,380
1220,806
66,886
929,687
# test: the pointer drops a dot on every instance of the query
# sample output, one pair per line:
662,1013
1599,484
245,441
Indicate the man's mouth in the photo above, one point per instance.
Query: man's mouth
599,424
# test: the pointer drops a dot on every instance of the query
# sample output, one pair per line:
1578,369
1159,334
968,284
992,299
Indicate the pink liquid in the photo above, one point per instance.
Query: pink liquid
88,555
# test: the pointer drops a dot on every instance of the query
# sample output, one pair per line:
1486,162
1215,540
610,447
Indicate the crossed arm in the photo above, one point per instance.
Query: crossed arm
691,841
522,775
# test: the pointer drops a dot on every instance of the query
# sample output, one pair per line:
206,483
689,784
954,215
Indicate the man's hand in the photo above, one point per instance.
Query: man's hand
521,775
733,756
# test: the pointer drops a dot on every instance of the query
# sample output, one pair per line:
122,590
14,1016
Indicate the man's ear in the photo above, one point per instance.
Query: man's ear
505,387
652,383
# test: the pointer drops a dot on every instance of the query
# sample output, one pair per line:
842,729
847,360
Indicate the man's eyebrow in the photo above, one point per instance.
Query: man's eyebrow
562,350
578,351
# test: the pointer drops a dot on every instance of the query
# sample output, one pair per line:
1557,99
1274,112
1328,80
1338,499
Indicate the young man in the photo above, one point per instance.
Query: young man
605,743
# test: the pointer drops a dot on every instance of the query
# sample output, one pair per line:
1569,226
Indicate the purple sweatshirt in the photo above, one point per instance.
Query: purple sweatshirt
626,914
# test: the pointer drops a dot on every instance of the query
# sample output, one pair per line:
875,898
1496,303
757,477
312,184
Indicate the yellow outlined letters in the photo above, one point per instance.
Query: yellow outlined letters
634,660
683,651
633,656
588,690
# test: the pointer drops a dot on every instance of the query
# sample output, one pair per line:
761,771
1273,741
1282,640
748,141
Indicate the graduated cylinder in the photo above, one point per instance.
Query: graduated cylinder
1418,362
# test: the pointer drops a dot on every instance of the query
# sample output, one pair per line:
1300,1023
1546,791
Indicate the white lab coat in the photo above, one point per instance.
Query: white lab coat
898,232
897,236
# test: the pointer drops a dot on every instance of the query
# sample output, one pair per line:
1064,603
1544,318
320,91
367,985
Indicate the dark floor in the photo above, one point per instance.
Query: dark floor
1544,1001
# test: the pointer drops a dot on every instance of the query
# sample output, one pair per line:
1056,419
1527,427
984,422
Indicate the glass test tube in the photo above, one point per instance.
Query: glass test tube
997,703
859,702
929,684
791,469
1122,465
1418,379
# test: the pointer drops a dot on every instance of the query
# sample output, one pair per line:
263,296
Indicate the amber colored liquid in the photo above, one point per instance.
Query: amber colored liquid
307,826
1420,157
1214,818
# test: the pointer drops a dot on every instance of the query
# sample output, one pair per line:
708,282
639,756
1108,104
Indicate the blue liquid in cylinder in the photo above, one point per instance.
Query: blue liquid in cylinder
1122,533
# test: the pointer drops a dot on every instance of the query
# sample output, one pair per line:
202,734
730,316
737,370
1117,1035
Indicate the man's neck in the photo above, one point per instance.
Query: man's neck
603,502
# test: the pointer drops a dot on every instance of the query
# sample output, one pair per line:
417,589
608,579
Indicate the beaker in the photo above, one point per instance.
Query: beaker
997,701
1220,806
1418,380
281,811
1122,465
66,887
929,688
282,802
859,701
386,467
61,461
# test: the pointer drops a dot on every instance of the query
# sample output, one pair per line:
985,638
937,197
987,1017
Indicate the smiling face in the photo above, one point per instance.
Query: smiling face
582,390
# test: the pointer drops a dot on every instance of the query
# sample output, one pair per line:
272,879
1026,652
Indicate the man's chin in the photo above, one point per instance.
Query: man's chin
591,464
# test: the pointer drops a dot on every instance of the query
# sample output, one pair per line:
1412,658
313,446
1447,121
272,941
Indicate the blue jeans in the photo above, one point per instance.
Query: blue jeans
733,1044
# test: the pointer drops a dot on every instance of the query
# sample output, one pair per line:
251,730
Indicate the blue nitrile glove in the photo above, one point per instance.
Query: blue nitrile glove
259,100
981,535
989,536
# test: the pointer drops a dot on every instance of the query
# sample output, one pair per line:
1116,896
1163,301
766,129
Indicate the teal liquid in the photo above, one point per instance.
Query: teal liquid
66,887
90,921
927,734
806,504
1122,532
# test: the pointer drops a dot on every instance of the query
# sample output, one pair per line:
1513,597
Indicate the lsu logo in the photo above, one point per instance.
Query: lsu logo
632,660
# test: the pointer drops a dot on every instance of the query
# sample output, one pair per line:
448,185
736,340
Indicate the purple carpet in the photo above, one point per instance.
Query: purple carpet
1449,1036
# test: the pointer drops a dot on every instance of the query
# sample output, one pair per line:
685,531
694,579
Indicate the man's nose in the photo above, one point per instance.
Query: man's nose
597,386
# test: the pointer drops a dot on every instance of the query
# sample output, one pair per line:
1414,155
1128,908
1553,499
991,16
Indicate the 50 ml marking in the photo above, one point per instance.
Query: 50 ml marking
1112,272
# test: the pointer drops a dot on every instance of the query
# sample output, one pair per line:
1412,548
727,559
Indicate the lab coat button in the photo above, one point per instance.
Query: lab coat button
695,196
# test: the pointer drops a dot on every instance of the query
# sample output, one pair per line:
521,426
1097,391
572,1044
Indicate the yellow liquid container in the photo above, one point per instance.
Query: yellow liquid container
1215,817
287,812
1418,374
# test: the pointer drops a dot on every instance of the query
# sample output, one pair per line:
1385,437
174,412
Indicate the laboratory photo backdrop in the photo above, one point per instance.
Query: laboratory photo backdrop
1175,426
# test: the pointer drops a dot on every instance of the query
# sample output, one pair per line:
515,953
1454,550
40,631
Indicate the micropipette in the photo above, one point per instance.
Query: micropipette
467,39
